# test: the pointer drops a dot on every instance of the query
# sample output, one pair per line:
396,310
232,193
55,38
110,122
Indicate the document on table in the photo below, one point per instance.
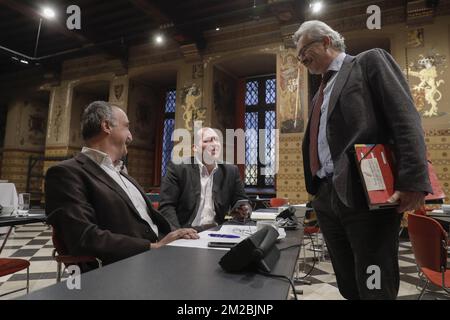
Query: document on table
246,231
238,232
205,237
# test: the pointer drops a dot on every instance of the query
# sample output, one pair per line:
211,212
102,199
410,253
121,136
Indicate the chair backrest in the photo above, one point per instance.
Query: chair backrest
58,244
429,242
278,202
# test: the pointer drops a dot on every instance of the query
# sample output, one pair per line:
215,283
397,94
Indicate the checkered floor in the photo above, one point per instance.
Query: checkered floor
33,242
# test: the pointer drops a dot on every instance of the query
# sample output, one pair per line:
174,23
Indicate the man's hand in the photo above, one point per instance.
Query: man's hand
185,233
408,200
241,213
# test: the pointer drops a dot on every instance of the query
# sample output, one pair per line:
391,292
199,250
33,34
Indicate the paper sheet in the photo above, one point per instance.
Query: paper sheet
372,175
202,243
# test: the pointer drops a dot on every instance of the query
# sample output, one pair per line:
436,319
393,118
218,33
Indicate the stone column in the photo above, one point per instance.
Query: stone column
25,137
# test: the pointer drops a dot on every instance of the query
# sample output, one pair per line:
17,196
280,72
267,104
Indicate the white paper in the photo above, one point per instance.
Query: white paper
205,237
246,231
258,215
372,175
237,230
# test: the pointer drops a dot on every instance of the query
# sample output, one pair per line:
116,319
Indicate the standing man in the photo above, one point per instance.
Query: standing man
201,192
362,99
94,206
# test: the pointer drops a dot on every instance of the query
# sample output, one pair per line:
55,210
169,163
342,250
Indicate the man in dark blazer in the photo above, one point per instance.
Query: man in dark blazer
201,192
95,208
361,100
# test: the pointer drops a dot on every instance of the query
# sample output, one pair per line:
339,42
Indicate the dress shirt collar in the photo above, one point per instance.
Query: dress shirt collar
336,64
203,168
101,158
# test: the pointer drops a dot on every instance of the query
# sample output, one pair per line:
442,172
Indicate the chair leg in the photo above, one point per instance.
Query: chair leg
17,290
304,259
423,290
28,280
58,272
322,246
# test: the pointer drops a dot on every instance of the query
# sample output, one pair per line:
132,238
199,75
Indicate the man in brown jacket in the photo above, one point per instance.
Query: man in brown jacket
95,207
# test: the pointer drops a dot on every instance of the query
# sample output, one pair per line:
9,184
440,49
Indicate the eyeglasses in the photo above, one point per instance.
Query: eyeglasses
303,50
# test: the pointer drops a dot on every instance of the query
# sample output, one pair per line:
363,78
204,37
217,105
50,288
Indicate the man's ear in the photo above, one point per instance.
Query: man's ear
327,42
106,127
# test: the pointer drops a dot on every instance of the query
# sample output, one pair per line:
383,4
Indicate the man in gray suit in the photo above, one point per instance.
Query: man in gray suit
362,99
201,192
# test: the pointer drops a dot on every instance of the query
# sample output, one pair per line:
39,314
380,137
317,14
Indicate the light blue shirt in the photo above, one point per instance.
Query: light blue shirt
326,163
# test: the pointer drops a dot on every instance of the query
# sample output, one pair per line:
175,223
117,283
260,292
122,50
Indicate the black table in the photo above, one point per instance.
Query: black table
442,218
36,215
178,273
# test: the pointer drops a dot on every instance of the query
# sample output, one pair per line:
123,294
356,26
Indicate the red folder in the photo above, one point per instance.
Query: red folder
381,156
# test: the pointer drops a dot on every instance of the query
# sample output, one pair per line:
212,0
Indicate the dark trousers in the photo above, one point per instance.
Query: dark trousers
363,246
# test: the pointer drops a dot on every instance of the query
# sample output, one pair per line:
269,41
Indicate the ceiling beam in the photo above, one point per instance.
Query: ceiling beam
151,11
159,16
36,15
81,37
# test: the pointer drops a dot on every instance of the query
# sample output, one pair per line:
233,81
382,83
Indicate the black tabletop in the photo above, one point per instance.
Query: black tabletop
35,215
441,217
178,273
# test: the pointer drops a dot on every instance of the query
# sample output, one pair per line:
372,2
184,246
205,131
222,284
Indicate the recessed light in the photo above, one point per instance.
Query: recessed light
159,39
217,28
316,7
48,13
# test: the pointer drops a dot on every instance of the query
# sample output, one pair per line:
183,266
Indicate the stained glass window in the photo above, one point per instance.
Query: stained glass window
251,93
251,148
169,126
260,99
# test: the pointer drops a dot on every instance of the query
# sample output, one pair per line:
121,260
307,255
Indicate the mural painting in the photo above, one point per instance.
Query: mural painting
291,108
428,70
192,110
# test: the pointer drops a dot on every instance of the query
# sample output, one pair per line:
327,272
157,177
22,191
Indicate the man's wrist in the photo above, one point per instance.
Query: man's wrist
154,245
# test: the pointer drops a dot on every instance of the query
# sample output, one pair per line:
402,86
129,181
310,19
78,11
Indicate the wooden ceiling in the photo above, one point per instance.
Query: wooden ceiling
113,26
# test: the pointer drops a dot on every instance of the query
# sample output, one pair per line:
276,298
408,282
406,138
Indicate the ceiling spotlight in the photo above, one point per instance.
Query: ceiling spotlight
217,28
48,13
316,6
159,39
24,61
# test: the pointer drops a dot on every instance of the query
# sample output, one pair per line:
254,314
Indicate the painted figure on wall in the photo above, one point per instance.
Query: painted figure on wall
426,94
57,122
190,95
36,127
291,110
118,90
142,128
223,104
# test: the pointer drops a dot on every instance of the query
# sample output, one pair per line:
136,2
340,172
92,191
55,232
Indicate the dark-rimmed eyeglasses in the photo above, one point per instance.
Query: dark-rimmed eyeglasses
302,51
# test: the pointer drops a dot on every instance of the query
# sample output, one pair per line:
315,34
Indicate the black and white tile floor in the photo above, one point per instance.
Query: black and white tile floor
33,242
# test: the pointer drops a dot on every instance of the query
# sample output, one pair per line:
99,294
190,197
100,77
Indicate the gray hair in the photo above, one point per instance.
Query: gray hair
93,116
317,30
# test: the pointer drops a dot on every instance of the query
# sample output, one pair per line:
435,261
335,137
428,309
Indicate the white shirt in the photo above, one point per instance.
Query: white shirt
323,148
206,212
105,162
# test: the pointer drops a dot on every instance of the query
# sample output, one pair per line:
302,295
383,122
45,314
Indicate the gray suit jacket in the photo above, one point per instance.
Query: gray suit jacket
180,192
371,103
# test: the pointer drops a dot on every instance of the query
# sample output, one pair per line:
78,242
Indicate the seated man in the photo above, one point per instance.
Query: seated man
97,209
202,192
